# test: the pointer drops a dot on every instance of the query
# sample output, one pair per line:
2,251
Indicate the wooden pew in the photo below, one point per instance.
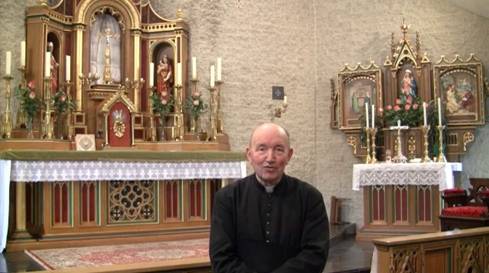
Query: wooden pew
457,251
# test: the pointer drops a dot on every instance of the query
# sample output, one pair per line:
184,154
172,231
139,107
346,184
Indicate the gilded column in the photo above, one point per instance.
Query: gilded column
79,65
137,66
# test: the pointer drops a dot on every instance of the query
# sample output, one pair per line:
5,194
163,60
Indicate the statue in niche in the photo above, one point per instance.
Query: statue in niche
408,86
105,49
164,77
54,68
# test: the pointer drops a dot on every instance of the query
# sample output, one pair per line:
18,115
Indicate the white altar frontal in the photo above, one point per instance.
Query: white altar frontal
402,198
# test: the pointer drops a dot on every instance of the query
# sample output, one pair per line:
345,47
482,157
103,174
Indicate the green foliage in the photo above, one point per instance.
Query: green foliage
406,109
195,106
29,102
62,103
160,105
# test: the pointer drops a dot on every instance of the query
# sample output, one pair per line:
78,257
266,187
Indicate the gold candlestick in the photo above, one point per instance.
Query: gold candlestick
441,155
373,133
7,118
220,126
179,122
69,117
214,112
152,127
425,130
48,125
368,159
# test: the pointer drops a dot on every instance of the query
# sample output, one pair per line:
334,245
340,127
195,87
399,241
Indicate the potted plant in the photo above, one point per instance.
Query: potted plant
29,104
162,105
195,106
62,103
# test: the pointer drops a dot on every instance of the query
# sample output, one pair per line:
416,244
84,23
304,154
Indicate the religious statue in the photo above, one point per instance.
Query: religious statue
105,49
54,68
408,85
164,78
452,99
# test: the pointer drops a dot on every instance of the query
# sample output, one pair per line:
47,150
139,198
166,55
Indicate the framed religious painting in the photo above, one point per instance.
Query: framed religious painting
358,87
460,86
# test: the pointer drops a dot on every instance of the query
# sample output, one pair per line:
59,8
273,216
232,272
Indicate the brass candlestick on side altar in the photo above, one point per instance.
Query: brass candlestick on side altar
48,124
7,117
220,126
425,130
373,133
368,158
441,154
214,112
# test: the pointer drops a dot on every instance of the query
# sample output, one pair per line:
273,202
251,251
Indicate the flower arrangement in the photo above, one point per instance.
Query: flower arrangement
62,103
29,102
195,105
162,105
406,109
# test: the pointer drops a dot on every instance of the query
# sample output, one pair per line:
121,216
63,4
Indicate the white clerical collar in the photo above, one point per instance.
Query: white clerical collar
268,188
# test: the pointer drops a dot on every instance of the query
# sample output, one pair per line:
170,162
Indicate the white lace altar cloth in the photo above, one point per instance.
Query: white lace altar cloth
440,174
46,171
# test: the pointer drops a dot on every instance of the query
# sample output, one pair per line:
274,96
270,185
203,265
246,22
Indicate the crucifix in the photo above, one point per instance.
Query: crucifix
399,158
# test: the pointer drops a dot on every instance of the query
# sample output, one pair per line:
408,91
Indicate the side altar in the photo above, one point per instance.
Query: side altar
109,136
408,110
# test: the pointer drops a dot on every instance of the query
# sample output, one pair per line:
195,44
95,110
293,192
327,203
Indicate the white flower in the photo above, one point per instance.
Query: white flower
196,102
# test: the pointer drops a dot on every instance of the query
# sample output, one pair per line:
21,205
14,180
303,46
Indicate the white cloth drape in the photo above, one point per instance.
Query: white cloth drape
4,201
440,174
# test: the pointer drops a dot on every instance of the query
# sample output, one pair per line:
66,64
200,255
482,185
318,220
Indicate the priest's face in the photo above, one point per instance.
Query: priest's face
269,152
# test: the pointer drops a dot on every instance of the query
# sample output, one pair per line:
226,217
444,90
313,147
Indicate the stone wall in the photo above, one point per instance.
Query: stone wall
301,45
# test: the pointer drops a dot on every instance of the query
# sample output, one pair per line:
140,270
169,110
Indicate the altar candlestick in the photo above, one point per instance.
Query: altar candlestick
366,115
8,62
22,54
194,68
424,114
213,76
47,65
373,115
219,69
439,111
151,74
68,68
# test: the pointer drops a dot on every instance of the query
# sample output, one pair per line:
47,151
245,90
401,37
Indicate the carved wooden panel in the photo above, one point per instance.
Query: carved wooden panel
132,202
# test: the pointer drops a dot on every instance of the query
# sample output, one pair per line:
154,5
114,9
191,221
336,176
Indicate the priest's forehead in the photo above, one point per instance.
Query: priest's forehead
270,127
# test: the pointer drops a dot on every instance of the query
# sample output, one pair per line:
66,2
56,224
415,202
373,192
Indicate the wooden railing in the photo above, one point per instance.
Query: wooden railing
457,251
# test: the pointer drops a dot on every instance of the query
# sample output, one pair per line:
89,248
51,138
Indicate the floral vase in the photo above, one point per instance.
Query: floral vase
28,126
162,128
194,125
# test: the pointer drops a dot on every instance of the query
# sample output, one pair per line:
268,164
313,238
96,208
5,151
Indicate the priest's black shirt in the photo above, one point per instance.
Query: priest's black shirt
255,231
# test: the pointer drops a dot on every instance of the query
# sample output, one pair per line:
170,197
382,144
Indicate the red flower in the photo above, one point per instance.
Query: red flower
31,85
388,107
415,106
397,108
407,107
398,101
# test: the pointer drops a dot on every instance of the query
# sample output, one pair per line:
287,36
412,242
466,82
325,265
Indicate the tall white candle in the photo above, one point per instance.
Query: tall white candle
398,123
151,74
68,68
22,54
47,65
424,114
439,111
213,76
194,68
373,115
285,99
8,62
366,115
179,74
219,69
